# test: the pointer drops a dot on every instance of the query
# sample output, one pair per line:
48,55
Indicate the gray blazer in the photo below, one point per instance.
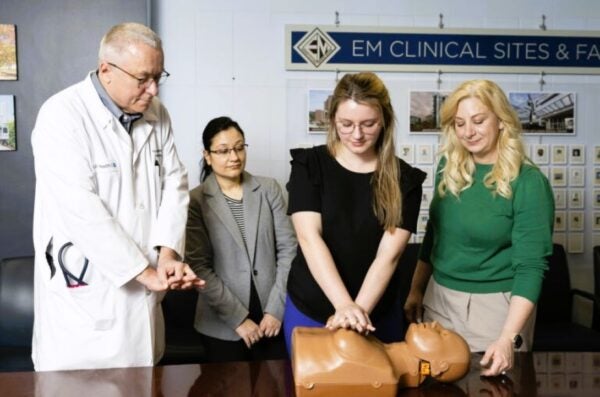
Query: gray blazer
216,251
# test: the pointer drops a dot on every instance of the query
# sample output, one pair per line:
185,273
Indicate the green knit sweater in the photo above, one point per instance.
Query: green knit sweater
481,242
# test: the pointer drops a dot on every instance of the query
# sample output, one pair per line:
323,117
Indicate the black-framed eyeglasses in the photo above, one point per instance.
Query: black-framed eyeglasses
146,81
225,151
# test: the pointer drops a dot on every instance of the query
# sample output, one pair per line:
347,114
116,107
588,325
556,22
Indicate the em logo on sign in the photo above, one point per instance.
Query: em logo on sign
316,47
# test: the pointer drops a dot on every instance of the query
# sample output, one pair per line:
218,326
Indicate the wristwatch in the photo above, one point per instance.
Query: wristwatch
517,340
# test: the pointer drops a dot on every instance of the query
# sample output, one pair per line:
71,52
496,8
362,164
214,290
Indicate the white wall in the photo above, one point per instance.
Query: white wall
227,58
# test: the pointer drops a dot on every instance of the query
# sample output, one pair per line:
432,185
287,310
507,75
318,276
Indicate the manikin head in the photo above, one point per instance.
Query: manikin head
446,351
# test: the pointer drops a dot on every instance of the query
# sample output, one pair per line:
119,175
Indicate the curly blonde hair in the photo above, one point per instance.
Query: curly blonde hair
457,173
368,89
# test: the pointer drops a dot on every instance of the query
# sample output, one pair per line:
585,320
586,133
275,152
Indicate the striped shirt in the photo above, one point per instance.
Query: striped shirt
237,209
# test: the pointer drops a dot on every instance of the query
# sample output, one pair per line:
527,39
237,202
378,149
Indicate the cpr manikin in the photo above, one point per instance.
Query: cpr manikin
346,363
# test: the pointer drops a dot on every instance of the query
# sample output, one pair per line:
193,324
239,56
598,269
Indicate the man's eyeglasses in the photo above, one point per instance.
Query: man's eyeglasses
146,81
366,127
225,151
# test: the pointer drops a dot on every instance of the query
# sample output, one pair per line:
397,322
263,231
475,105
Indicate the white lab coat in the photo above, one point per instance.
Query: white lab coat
116,197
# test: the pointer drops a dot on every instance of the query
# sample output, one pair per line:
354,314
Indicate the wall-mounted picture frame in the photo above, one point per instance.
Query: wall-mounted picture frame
430,177
8,52
560,198
577,176
596,221
596,195
577,154
575,245
545,113
576,198
539,154
576,221
559,154
424,111
560,238
558,176
422,221
544,169
318,110
424,154
406,152
8,130
426,198
596,176
560,221
596,154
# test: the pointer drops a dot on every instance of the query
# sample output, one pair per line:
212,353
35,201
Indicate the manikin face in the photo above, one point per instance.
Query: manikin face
140,61
358,126
446,351
477,128
227,154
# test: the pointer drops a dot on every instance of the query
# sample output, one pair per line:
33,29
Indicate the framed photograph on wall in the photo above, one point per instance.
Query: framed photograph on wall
560,198
577,176
558,176
426,198
560,221
596,176
576,221
596,199
424,112
539,153
8,52
596,154
577,154
596,223
559,154
428,182
8,132
422,221
575,243
545,113
576,198
424,154
560,238
406,152
318,110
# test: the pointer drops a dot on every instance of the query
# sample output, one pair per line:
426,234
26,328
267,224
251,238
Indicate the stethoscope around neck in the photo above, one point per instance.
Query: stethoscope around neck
71,280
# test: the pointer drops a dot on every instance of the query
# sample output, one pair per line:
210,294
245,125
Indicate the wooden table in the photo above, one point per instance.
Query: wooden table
535,374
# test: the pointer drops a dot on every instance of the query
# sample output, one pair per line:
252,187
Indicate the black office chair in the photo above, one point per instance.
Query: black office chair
16,313
555,329
183,342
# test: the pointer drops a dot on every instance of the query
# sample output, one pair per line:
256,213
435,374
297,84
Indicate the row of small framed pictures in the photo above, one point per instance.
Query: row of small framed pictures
575,221
572,241
543,153
571,372
574,198
540,154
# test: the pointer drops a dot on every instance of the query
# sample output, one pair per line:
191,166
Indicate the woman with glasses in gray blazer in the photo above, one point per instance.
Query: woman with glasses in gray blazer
240,240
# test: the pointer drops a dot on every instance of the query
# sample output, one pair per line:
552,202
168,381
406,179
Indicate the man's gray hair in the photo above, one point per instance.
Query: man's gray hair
121,36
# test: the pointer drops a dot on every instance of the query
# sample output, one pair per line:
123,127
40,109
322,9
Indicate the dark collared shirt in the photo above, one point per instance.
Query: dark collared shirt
126,119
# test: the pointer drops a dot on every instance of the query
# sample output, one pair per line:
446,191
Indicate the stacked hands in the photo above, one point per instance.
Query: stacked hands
171,273
498,357
351,316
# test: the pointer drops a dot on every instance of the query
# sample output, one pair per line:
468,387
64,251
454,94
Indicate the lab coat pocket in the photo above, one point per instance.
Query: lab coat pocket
87,293
107,183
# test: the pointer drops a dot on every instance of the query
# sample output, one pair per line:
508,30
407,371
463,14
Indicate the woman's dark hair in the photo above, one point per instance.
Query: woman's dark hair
213,127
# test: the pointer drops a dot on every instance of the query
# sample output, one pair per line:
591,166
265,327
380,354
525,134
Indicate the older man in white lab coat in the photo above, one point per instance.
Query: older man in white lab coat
110,212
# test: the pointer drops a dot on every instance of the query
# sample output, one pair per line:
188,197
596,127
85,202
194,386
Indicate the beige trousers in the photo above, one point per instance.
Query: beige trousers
479,318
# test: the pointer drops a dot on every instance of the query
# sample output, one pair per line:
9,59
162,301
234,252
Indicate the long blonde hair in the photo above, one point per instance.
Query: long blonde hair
368,89
457,174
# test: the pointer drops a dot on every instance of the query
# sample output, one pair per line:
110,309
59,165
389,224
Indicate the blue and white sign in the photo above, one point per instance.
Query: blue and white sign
332,48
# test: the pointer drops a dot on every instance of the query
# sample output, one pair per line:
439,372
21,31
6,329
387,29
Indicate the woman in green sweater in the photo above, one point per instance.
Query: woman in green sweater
489,230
